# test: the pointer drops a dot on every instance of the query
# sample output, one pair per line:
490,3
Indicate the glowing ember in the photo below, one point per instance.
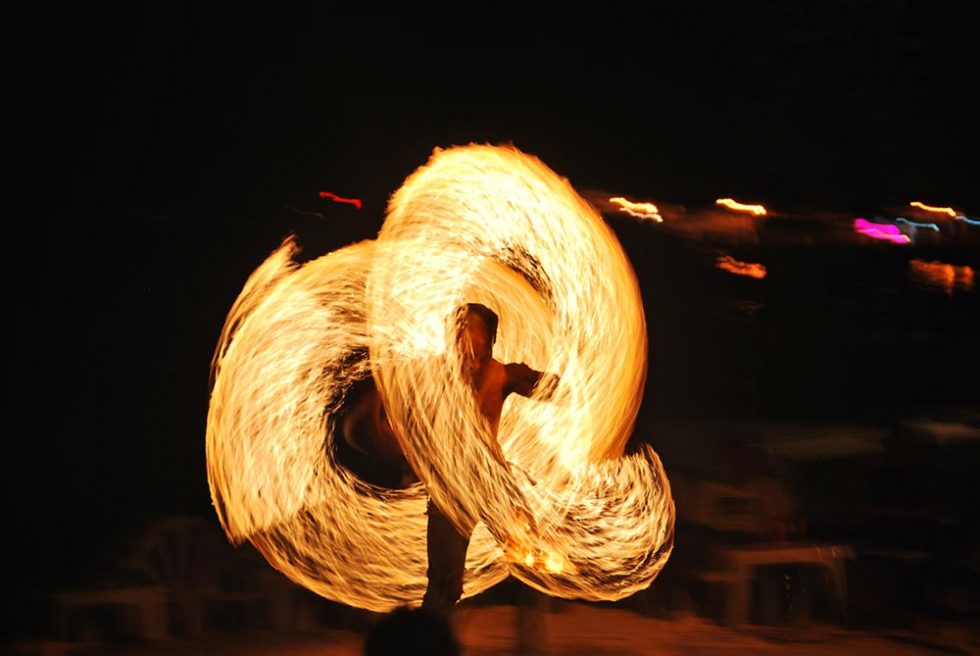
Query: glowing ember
941,276
754,210
948,211
476,224
750,269
881,231
356,202
639,210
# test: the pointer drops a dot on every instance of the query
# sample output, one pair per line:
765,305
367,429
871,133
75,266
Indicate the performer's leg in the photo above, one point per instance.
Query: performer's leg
532,621
447,560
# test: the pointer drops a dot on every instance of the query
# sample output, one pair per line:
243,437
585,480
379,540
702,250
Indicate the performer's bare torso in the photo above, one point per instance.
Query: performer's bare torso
366,426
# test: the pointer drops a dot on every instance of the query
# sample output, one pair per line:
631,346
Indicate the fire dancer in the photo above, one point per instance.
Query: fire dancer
366,429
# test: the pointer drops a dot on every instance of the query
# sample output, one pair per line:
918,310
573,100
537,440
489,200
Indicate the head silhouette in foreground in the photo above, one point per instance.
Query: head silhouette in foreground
411,631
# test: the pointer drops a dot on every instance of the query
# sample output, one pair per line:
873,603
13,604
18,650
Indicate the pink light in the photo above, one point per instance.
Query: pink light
881,231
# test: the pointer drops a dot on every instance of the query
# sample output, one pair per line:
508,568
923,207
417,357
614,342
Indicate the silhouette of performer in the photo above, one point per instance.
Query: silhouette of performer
365,428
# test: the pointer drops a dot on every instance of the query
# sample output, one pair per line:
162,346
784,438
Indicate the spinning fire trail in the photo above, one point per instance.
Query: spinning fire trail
476,224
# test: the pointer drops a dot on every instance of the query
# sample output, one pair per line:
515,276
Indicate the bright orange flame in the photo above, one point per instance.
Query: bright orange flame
554,563
639,210
754,210
476,224
750,269
942,276
948,211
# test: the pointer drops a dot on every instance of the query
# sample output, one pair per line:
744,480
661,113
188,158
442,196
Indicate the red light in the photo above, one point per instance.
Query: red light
356,202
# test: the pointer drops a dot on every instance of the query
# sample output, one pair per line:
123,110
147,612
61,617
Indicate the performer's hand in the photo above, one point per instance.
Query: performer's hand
547,386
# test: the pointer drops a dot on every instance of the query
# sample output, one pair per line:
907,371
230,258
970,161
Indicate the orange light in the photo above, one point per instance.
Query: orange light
639,210
942,276
750,269
948,211
754,210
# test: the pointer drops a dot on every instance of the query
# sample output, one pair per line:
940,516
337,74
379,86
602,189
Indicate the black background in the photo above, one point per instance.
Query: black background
162,151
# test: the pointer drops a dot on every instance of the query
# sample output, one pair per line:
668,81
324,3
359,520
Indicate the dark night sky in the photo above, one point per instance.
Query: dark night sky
159,148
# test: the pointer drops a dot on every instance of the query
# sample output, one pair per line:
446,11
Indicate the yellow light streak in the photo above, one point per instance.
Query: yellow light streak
754,210
639,210
948,211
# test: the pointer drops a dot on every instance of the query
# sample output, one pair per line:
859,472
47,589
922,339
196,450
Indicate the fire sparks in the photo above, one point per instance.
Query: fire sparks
639,210
754,210
941,276
885,232
750,269
356,202
467,227
948,211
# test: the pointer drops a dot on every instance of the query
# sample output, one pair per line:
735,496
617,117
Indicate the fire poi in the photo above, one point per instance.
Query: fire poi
482,224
